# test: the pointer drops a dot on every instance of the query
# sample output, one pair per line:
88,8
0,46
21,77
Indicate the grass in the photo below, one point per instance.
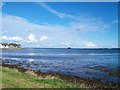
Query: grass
11,78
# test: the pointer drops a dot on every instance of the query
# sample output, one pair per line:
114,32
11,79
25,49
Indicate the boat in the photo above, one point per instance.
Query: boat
69,48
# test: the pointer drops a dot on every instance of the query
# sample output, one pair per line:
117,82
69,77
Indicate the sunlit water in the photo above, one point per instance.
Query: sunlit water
84,63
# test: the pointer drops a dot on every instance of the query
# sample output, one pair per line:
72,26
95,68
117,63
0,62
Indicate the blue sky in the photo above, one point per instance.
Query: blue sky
61,24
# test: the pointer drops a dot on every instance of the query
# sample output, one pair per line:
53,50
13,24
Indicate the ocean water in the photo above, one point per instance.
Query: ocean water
101,64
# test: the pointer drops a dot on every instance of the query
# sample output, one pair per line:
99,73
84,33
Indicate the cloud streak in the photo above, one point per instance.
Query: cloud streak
55,12
13,38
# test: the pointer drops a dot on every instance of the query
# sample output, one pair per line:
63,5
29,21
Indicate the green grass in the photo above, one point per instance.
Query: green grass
11,78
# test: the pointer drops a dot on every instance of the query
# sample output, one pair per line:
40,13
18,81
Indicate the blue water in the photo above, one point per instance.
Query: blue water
91,63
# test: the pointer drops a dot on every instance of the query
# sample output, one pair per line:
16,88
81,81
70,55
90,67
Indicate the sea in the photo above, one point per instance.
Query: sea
101,64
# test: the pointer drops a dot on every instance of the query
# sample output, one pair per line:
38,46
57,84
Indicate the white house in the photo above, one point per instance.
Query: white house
1,46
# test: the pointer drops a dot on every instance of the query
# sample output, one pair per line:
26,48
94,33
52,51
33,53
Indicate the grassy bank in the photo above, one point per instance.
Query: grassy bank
11,78
16,77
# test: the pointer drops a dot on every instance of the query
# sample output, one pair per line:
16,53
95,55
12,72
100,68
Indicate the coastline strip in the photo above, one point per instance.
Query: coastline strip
95,84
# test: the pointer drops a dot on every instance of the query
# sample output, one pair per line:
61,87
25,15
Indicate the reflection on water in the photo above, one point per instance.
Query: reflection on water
91,63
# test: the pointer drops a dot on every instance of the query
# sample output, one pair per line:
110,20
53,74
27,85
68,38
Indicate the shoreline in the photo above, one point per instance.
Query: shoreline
97,84
12,48
12,78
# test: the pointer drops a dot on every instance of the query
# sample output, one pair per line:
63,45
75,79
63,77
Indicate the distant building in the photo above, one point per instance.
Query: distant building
10,45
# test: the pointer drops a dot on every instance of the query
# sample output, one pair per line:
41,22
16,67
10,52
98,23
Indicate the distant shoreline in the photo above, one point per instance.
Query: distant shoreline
12,48
66,48
61,48
53,48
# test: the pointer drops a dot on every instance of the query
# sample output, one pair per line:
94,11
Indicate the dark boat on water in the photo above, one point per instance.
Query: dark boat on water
69,48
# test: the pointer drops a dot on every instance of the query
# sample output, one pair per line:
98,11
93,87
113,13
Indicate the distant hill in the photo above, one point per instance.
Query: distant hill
9,45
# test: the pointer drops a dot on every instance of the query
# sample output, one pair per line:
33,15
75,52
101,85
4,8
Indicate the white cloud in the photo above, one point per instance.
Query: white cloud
4,38
43,38
15,26
14,38
90,45
55,12
90,25
31,38
80,28
14,18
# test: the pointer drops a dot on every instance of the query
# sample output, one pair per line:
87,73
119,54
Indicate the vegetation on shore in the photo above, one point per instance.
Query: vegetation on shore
17,77
11,78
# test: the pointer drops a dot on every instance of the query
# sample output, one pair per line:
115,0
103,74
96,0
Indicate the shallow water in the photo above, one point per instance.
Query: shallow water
101,64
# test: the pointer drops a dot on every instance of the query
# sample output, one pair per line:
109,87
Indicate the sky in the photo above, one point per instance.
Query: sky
60,24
